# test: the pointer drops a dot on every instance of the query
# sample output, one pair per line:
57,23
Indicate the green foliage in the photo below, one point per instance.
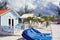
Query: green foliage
28,19
39,15
49,18
53,18
3,5
46,18
58,10
39,20
27,10
32,19
20,21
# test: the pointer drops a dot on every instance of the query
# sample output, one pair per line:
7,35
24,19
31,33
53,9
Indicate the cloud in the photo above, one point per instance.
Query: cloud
30,3
38,5
16,4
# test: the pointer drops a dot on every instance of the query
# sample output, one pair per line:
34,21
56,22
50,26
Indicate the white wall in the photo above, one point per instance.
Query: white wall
6,16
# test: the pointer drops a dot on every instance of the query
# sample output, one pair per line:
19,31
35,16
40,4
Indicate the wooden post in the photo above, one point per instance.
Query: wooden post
0,22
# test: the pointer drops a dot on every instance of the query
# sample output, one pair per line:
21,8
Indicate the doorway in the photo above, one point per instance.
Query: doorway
11,22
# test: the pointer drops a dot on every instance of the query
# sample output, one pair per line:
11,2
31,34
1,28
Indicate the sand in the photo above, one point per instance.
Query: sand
53,29
10,38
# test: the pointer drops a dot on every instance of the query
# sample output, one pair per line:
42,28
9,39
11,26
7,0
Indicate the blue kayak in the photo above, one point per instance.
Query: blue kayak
32,34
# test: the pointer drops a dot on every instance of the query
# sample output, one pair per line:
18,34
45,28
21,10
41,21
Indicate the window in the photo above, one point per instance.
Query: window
19,20
12,22
9,22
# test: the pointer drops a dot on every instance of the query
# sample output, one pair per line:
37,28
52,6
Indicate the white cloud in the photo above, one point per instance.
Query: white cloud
21,3
16,4
32,4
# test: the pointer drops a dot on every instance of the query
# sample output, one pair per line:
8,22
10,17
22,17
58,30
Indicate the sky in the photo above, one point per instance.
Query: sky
45,6
31,3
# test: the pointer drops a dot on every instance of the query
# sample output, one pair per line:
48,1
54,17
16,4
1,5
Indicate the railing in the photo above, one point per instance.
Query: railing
7,29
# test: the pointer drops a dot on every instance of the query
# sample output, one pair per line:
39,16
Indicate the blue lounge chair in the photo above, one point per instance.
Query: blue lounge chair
32,34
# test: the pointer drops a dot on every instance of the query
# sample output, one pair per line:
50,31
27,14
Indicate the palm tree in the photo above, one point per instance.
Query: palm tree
3,4
58,10
27,10
52,18
47,19
30,19
39,15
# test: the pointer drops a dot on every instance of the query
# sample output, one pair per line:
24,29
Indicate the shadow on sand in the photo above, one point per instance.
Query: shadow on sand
21,39
5,35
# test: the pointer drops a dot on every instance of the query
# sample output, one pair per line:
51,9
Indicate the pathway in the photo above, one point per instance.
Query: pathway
55,32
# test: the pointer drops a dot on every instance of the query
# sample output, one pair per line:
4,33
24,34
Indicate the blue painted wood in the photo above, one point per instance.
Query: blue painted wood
5,21
6,16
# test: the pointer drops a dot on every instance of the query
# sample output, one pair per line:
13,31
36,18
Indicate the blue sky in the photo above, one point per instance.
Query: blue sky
43,6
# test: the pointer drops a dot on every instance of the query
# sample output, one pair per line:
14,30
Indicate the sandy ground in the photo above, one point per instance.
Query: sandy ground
19,37
55,32
53,29
10,38
15,37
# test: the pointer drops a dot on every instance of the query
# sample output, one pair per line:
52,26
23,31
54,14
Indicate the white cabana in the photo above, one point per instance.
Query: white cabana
39,17
27,15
